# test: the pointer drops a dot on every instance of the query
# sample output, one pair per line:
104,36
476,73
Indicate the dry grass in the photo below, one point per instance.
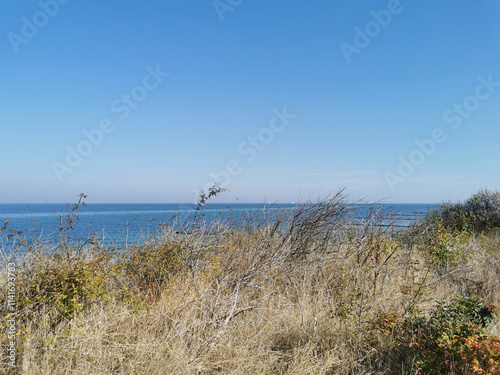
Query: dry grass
296,295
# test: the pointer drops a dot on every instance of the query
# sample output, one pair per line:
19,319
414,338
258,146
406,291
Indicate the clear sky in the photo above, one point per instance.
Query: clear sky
150,101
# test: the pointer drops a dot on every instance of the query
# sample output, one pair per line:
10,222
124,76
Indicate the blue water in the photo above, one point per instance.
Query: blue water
127,223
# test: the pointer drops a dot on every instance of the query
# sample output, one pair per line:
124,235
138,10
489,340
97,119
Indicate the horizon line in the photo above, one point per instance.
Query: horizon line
225,203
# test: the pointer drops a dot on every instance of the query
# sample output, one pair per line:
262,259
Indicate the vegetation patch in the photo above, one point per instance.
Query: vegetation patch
302,292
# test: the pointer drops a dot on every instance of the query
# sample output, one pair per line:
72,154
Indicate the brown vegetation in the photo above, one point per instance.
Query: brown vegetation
304,293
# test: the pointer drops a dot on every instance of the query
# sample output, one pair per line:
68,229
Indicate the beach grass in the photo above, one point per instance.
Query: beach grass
304,292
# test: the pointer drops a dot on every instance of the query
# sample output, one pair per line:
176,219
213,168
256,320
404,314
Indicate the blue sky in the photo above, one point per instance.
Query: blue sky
279,100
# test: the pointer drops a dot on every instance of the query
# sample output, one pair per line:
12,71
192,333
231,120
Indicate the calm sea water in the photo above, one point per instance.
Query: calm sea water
126,223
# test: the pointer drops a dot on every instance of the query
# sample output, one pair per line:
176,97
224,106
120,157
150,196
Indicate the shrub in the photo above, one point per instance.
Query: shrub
450,340
483,354
454,217
483,209
442,342
480,212
63,289
148,268
447,249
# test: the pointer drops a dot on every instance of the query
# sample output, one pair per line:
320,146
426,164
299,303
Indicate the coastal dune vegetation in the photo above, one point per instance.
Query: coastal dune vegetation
306,291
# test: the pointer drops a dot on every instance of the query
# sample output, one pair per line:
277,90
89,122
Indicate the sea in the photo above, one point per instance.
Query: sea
122,224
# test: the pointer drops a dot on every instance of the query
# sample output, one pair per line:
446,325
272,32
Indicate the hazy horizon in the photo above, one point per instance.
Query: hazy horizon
218,202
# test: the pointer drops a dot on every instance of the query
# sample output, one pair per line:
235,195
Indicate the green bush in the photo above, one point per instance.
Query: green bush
452,339
480,212
484,210
441,342
447,249
61,290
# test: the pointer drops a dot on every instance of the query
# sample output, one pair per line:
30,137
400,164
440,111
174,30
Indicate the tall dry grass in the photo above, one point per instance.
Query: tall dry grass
300,293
